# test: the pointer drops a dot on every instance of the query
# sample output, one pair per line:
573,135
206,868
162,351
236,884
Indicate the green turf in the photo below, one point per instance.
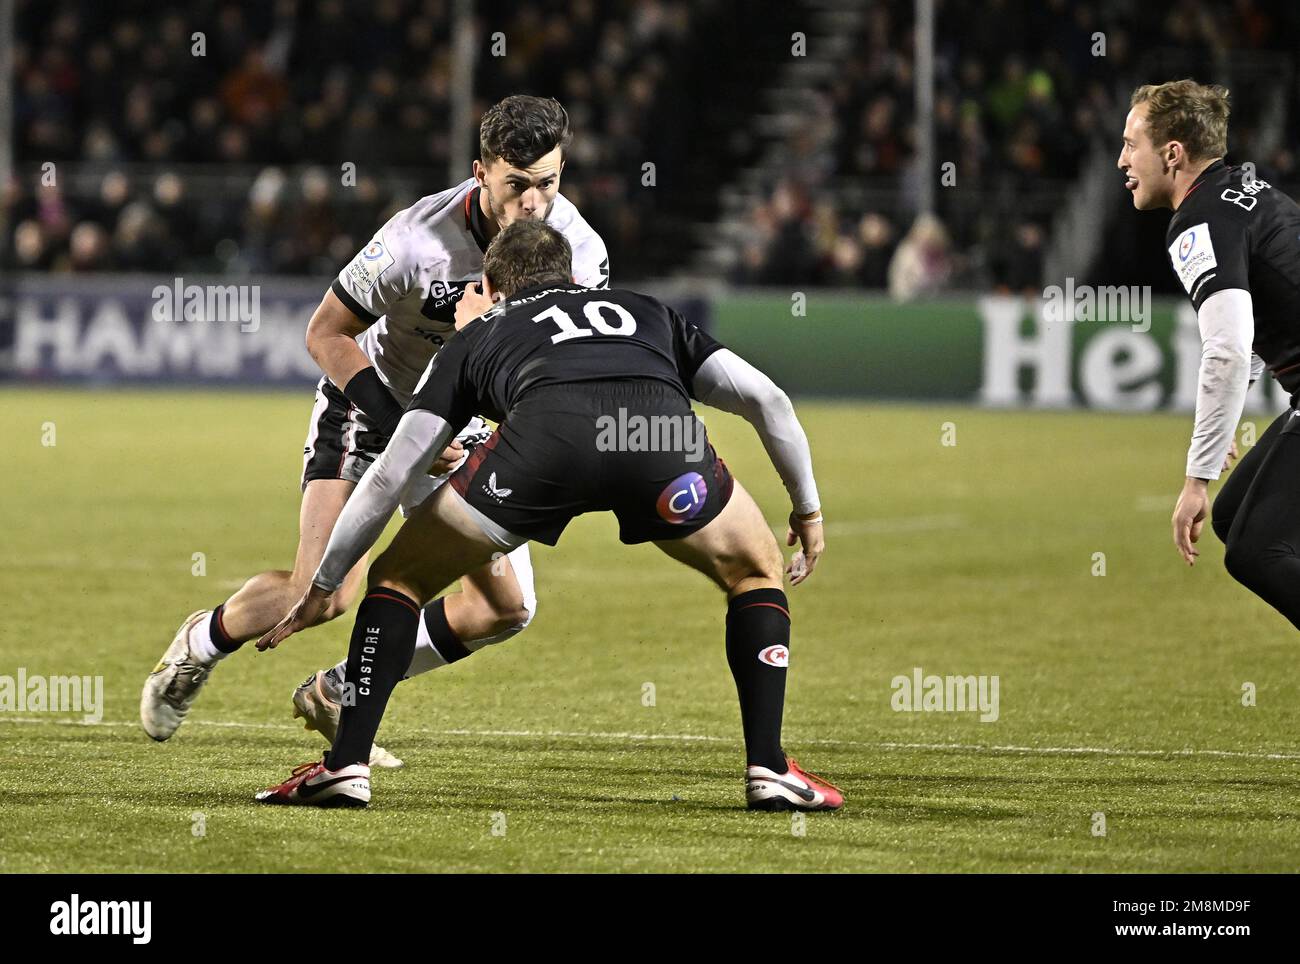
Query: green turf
971,559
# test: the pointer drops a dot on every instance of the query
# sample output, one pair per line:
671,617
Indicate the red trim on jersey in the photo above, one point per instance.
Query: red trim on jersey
1289,368
463,476
1190,193
467,200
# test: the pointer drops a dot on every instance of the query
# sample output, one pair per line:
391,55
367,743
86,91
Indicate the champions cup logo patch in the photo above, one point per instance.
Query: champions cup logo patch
682,498
776,655
366,267
1192,255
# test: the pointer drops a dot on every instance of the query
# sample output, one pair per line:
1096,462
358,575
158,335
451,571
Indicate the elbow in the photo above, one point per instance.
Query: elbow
776,401
1226,357
314,340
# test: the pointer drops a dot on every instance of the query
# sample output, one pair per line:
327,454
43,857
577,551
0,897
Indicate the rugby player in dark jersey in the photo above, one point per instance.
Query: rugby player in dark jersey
556,365
1234,243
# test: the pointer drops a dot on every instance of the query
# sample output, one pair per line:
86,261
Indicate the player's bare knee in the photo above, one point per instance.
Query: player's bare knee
507,623
769,564
759,574
407,587
508,616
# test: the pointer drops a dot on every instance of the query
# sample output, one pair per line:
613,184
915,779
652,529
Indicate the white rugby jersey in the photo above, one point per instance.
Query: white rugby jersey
408,279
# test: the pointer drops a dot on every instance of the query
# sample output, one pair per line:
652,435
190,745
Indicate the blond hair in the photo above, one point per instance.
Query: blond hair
1195,115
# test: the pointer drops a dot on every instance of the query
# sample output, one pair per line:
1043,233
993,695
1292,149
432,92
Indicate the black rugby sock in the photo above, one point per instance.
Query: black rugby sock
217,633
383,640
443,637
758,641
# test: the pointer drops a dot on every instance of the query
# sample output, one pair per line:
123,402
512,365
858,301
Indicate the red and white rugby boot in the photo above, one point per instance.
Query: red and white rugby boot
797,789
311,785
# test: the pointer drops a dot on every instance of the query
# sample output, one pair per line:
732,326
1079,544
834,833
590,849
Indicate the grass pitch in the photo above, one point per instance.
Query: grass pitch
1120,694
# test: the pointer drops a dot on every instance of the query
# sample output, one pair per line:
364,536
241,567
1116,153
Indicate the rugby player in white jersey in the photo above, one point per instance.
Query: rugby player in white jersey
383,319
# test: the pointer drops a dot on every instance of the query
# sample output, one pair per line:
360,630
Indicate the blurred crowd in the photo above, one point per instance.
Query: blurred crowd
1023,91
276,97
144,146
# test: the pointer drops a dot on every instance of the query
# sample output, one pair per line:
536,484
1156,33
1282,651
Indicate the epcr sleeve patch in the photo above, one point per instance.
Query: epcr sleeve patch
1192,254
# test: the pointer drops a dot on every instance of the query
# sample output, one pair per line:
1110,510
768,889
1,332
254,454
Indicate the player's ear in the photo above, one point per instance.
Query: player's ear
487,289
480,171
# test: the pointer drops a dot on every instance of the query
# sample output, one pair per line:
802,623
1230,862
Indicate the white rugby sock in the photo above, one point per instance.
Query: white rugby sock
201,641
425,656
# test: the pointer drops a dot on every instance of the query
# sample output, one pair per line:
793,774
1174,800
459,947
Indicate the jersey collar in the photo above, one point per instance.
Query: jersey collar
474,219
1201,178
570,285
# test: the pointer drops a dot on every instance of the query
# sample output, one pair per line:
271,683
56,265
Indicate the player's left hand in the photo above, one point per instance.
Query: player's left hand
812,540
1233,454
472,304
450,458
307,612
1189,517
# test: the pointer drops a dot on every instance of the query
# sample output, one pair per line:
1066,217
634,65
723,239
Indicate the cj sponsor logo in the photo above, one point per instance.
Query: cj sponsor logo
75,917
919,693
682,498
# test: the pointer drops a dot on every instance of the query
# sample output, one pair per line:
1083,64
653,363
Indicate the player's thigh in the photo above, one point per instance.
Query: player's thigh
1228,503
437,545
735,547
504,585
1269,514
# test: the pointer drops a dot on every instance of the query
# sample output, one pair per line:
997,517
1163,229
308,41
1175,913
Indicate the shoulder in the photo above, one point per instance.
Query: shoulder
1216,212
424,227
1220,202
590,257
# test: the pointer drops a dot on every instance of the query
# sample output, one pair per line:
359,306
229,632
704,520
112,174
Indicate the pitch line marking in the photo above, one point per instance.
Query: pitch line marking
884,526
706,738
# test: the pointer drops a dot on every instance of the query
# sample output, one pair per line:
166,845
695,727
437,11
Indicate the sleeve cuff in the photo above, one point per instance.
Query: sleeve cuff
351,303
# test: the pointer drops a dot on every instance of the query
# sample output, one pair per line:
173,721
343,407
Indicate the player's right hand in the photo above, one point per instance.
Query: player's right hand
1189,517
812,542
305,614
450,458
472,304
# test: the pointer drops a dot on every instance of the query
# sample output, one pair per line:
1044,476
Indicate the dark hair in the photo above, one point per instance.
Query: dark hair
522,128
527,253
